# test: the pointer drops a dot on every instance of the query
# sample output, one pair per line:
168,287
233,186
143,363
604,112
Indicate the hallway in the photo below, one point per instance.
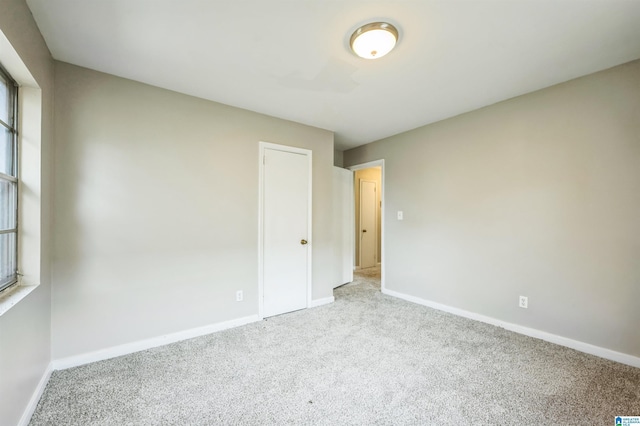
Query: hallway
368,276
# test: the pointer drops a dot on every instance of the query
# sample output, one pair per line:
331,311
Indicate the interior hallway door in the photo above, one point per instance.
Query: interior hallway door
286,180
368,224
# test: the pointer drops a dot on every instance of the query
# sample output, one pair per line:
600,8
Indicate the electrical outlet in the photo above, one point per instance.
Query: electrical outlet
239,296
400,215
524,302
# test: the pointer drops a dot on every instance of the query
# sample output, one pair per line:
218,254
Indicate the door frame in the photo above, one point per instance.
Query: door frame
368,165
262,147
375,220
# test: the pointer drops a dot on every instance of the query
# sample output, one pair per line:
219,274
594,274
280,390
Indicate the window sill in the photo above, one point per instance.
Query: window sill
10,297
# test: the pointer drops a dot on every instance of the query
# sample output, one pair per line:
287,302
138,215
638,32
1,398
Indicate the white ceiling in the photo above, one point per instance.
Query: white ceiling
290,58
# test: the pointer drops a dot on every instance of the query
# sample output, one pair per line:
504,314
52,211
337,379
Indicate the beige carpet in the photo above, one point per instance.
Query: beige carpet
367,359
370,275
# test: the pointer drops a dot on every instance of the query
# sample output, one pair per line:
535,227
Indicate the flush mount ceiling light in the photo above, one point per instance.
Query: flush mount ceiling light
374,40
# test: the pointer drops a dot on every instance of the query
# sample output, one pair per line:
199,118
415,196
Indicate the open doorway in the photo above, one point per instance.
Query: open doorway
368,185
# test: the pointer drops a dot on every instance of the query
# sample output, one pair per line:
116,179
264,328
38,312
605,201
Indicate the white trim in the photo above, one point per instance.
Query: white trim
368,165
10,296
29,175
383,195
268,145
531,332
324,301
35,397
141,345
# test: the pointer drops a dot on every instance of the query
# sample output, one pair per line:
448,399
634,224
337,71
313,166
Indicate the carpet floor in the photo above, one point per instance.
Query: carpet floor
367,359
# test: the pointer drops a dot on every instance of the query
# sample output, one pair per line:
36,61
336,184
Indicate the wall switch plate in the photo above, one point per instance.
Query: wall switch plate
400,215
239,296
524,302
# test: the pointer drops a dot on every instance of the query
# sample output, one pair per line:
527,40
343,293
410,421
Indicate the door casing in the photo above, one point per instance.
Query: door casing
376,163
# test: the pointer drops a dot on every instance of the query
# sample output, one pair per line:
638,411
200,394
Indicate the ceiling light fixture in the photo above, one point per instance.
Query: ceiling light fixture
374,40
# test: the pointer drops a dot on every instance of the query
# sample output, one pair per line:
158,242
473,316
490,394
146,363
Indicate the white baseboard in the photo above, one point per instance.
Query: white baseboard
319,302
115,351
35,397
531,332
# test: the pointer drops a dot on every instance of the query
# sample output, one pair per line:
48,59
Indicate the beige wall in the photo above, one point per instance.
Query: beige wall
372,174
25,336
156,212
536,196
338,158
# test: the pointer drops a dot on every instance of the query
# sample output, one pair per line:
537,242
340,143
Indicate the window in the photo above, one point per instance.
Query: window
8,180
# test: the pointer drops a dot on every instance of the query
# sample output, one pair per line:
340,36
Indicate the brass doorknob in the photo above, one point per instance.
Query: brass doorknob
364,230
303,242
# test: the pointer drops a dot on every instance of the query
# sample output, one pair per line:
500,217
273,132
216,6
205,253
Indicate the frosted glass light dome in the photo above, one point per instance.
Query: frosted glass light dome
374,40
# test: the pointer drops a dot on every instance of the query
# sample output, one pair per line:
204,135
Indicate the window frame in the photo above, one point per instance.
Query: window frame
14,177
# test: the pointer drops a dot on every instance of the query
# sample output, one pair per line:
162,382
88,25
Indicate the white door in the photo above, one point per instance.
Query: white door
286,201
343,220
368,224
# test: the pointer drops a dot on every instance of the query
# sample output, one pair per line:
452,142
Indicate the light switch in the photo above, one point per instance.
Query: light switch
400,215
